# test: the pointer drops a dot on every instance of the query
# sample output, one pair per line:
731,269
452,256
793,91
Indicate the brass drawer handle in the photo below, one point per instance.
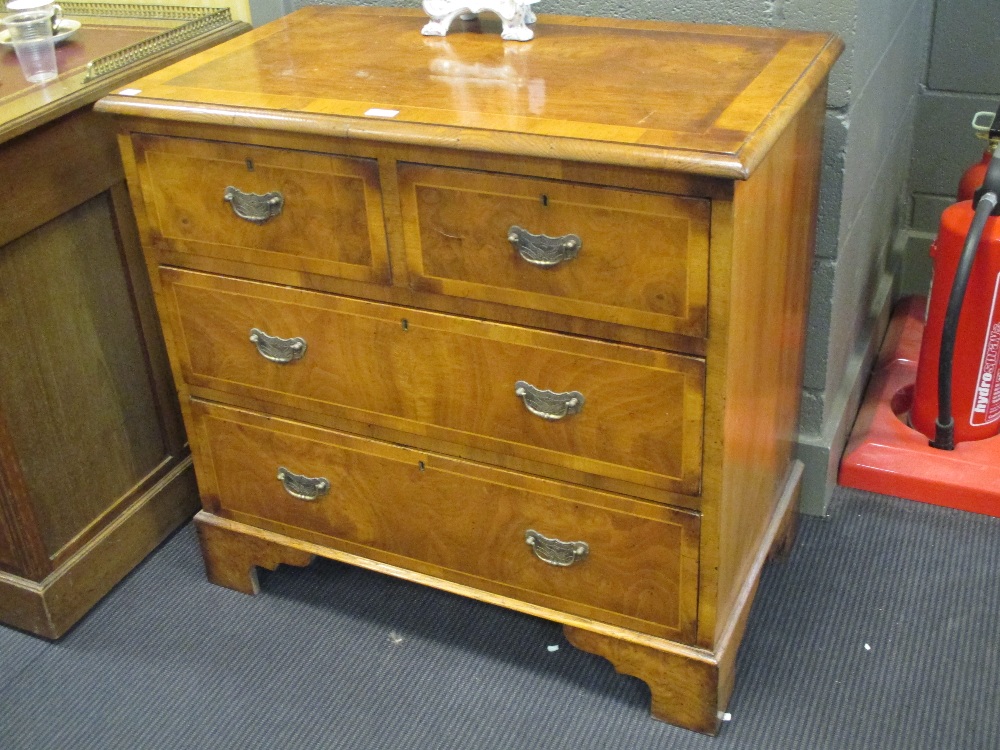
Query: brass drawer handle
253,207
542,250
546,404
302,487
553,551
278,350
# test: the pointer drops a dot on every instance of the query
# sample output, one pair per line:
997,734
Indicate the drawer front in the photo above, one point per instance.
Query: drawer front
295,210
638,416
625,257
454,519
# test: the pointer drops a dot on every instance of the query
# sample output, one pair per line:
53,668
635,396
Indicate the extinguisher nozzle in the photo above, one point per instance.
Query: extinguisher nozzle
944,435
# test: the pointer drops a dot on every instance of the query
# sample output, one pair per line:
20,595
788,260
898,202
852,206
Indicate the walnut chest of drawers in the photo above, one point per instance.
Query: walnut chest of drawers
521,321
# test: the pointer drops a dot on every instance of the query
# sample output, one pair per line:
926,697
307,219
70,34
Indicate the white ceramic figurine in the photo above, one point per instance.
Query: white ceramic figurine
515,14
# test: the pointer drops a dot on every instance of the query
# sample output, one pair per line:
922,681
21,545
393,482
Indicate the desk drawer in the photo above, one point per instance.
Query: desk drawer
626,257
454,519
638,416
296,210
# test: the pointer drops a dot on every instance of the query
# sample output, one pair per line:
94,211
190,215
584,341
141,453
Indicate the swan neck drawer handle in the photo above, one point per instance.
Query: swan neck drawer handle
553,551
546,404
254,207
542,250
278,350
303,487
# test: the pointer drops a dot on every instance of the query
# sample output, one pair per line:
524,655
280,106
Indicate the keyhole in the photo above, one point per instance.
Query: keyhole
545,200
249,165
421,465
406,324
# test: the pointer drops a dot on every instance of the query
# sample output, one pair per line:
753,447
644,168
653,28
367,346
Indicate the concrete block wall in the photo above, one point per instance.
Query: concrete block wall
872,105
865,197
962,78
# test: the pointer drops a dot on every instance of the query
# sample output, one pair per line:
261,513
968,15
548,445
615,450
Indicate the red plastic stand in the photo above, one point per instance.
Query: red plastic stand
886,456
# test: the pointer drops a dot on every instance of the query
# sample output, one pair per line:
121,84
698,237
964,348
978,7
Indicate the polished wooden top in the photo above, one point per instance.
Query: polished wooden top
706,99
25,106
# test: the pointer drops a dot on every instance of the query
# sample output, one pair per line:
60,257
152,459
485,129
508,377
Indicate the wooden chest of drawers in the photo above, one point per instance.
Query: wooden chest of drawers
523,322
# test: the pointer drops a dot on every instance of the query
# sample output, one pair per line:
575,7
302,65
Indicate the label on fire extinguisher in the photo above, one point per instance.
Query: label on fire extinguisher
986,402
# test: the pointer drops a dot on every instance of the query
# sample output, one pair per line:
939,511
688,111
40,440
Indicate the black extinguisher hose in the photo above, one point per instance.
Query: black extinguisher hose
986,202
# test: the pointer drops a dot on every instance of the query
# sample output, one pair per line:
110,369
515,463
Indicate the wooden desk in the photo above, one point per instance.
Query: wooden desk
523,322
94,466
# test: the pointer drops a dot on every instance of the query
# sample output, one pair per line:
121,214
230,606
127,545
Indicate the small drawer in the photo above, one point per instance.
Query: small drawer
627,257
555,404
295,210
569,548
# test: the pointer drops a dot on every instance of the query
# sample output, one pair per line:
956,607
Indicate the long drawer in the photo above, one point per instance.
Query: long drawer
576,550
619,256
555,401
296,210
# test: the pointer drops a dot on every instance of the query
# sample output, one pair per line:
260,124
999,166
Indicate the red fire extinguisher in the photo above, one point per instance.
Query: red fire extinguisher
957,393
989,131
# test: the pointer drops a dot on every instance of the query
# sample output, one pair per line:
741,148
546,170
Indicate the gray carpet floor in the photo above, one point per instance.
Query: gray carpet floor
880,631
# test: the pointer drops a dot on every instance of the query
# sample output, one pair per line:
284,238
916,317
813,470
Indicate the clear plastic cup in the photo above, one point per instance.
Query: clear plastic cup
19,6
31,35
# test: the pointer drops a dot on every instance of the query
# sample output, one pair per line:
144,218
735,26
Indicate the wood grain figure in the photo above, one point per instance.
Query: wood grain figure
536,334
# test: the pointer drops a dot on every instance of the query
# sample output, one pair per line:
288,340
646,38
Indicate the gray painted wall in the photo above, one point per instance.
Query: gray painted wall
962,78
865,181
872,104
